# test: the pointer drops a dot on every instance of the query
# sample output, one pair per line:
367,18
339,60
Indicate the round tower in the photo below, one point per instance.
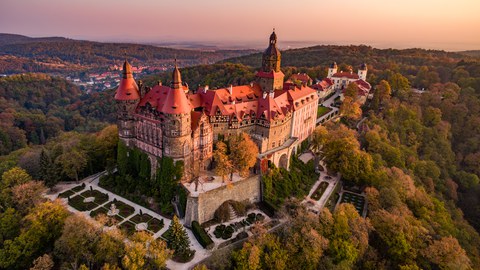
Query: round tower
177,130
332,70
362,72
127,97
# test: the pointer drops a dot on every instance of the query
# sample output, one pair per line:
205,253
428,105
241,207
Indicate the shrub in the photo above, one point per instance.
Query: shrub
222,214
202,236
239,207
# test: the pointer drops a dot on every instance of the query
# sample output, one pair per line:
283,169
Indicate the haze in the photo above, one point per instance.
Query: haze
435,24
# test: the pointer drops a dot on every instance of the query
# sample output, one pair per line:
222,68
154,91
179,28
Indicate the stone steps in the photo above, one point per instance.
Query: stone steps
233,214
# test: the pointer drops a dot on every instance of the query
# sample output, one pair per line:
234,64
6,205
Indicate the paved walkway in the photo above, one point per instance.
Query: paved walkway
329,104
92,181
317,205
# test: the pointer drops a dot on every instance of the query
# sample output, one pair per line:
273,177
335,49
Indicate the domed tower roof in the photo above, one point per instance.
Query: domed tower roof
271,57
333,65
272,47
127,89
363,66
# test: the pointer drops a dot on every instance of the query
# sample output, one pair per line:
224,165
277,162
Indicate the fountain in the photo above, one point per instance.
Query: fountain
113,210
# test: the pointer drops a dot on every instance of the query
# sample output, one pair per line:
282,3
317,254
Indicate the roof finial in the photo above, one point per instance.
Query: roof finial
273,29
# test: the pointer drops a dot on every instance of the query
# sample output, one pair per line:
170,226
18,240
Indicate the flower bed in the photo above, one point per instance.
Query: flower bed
99,211
155,225
66,194
125,210
100,198
319,191
128,227
78,203
141,218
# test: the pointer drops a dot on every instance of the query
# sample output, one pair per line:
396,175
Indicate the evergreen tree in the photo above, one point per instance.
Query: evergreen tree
178,239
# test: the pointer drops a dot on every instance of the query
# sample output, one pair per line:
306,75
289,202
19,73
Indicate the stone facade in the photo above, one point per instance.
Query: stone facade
201,206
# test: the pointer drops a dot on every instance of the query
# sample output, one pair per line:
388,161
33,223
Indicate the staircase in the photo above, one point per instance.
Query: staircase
233,214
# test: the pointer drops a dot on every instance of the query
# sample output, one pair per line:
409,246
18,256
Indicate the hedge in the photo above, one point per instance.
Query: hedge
202,236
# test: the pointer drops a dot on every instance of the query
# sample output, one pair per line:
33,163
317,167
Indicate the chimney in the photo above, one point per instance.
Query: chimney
159,83
230,90
205,89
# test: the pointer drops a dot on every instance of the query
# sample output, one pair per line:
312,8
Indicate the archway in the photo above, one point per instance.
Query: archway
283,161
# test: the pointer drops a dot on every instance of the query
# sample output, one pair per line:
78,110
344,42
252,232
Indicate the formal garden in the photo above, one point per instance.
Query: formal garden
117,212
321,111
357,200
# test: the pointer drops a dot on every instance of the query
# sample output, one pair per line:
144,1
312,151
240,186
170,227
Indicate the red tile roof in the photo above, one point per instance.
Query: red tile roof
323,85
345,75
127,89
271,74
303,77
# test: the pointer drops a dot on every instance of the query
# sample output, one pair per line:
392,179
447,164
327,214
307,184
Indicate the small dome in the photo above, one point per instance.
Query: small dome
333,65
363,66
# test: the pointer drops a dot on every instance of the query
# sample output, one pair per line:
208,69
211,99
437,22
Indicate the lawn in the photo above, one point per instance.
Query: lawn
78,203
319,191
321,111
357,201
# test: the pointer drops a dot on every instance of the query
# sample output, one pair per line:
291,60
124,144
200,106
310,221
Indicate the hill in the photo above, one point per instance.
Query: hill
36,107
60,55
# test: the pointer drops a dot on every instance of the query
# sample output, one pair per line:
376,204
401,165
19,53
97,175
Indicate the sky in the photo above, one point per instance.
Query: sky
433,24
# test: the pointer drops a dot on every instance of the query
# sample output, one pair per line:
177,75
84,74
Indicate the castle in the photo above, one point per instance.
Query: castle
177,122
340,80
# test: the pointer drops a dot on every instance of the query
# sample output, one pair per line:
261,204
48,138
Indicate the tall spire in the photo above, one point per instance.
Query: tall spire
127,70
273,37
176,77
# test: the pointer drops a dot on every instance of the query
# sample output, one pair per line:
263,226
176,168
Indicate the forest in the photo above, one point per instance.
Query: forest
61,55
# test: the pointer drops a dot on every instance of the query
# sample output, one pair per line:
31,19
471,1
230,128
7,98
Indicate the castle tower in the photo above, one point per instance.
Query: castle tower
362,72
177,130
270,77
127,97
332,70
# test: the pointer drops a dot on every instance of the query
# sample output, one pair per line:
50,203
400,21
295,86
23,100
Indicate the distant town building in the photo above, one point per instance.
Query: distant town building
342,79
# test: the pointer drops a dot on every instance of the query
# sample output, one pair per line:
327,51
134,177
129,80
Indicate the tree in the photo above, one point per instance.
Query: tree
243,154
142,251
10,179
72,162
44,262
178,239
223,165
350,109
77,243
447,253
381,95
27,195
351,91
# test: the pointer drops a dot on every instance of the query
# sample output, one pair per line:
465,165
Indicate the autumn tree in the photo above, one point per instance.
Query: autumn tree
350,109
446,253
381,95
223,164
27,195
10,179
351,91
44,262
77,243
72,162
243,154
142,251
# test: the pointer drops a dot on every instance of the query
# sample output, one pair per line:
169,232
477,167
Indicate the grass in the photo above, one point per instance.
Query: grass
100,198
128,227
125,210
321,111
319,191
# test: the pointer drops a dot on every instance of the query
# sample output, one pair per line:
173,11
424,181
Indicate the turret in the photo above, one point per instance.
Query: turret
270,77
332,70
271,57
127,97
362,72
176,110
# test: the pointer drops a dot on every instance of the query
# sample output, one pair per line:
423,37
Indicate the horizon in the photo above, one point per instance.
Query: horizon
439,25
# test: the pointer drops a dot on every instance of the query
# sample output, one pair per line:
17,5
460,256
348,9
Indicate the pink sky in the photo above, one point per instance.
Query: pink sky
438,24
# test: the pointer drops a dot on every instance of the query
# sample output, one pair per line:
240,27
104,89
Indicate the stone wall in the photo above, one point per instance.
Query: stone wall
202,206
